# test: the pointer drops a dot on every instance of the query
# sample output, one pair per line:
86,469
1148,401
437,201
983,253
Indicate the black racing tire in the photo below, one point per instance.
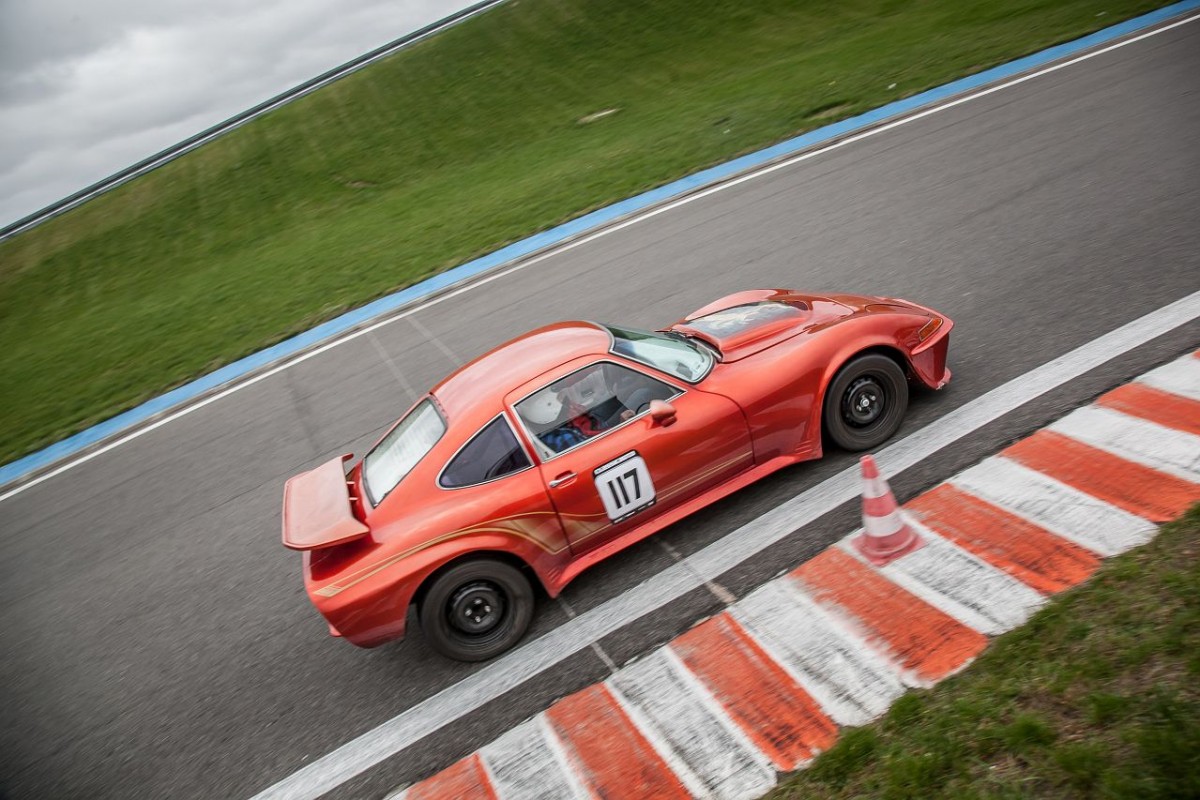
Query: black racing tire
865,402
498,598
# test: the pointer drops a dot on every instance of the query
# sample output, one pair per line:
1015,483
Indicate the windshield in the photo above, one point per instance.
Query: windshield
674,356
406,444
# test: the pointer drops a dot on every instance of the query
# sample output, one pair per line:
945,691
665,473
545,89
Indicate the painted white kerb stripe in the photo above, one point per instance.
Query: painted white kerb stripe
693,727
1133,439
528,761
525,662
823,651
1063,510
958,583
1181,377
585,239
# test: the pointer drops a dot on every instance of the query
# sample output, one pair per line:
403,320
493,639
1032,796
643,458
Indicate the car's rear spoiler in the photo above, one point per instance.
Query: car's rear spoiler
316,509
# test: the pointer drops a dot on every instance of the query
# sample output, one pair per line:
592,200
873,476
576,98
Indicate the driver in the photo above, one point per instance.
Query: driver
558,416
547,412
564,425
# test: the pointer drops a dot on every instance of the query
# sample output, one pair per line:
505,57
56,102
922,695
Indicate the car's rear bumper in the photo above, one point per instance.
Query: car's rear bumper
364,613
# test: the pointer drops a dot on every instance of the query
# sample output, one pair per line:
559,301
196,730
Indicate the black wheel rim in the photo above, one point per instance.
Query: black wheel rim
864,402
476,608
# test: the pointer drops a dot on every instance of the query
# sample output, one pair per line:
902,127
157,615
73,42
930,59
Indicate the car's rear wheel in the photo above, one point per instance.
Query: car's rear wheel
865,403
476,610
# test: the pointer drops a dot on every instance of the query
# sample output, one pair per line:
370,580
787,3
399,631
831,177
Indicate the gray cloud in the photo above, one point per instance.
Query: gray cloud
87,89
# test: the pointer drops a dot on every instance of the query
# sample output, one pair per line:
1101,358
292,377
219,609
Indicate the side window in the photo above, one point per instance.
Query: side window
588,402
493,453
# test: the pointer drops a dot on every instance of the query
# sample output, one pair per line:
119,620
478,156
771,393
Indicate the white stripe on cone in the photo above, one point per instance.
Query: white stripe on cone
882,527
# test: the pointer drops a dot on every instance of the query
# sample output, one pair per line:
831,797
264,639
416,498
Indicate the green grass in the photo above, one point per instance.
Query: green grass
1097,696
448,150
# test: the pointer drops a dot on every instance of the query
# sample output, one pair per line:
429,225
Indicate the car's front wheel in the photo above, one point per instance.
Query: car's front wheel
865,403
476,609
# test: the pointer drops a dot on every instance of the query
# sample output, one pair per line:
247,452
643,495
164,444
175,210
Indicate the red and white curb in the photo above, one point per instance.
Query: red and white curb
762,687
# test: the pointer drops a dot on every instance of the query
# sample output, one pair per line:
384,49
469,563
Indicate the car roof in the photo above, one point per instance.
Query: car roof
476,390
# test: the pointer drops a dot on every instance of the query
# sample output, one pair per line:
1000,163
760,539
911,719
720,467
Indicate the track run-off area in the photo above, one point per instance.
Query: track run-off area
158,641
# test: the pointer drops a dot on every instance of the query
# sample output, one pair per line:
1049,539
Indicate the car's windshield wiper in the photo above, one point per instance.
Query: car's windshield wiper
695,342
684,337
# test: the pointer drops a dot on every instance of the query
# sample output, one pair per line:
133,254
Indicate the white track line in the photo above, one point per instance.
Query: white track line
585,239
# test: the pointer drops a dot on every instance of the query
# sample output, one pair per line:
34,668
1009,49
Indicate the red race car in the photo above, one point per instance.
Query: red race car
576,440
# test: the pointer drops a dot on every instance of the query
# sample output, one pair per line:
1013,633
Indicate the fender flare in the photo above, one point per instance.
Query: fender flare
878,344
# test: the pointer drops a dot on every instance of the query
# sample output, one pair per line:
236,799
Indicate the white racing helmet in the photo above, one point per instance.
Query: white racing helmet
542,408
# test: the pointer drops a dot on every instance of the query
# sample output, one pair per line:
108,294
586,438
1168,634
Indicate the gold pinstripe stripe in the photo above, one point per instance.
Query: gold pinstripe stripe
366,572
491,527
708,473
703,476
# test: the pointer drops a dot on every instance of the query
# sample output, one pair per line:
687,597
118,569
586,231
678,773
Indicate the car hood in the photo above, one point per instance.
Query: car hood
743,324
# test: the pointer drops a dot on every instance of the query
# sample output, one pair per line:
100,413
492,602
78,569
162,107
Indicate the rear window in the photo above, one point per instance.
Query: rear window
493,453
401,450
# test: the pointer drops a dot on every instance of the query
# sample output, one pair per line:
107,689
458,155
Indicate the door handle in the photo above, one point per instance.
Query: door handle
562,480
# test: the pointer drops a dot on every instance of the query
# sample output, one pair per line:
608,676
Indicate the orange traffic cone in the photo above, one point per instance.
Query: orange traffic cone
886,536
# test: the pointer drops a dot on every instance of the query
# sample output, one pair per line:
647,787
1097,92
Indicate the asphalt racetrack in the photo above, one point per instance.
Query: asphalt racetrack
156,634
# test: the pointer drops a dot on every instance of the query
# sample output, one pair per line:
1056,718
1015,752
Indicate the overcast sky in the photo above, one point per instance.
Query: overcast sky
88,87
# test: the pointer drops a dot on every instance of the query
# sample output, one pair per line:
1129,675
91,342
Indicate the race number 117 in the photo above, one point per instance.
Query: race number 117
625,487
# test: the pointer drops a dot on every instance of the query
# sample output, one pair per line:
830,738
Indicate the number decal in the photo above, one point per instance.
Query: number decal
625,487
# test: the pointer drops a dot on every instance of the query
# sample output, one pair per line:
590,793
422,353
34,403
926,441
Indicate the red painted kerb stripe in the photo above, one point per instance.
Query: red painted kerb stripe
768,705
1155,405
928,641
1029,553
1140,490
608,750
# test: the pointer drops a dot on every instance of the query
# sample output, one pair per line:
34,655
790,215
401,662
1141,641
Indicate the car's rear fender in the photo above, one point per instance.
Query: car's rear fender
369,606
498,555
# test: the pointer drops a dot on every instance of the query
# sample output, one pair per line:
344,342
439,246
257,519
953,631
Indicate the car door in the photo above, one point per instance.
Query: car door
626,466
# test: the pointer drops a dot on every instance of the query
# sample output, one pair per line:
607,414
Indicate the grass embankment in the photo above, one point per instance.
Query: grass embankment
1097,696
446,151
